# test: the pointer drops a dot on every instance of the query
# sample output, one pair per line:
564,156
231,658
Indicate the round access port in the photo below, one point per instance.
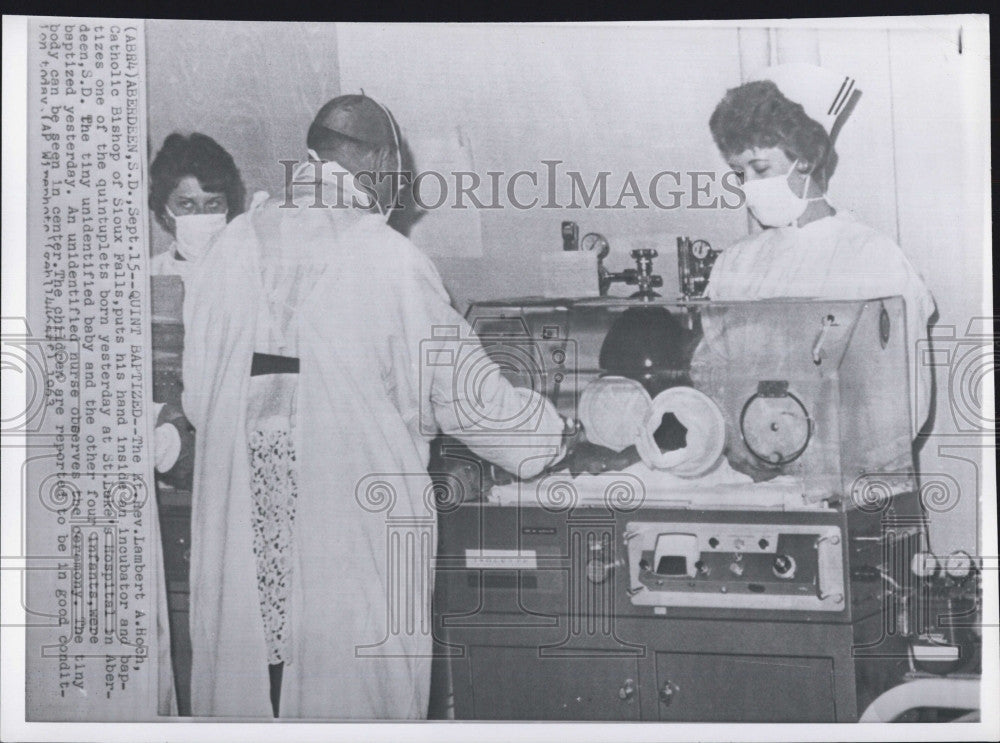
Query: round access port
683,432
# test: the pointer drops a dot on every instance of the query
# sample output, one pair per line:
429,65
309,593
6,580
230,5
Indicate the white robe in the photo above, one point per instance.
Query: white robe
831,258
364,391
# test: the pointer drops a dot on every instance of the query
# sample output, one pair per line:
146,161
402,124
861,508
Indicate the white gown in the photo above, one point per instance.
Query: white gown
831,258
364,533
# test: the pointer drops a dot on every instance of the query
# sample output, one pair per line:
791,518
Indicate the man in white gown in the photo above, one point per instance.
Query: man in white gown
347,306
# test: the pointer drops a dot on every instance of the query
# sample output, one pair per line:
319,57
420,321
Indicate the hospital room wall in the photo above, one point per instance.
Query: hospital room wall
913,160
941,116
616,99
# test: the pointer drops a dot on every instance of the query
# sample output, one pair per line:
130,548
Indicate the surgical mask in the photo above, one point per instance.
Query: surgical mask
335,175
195,233
772,201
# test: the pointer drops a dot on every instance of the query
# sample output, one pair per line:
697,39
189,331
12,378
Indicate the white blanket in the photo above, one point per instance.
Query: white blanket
639,486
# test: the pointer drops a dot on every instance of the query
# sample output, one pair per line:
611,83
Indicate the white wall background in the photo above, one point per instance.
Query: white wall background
599,98
941,136
619,98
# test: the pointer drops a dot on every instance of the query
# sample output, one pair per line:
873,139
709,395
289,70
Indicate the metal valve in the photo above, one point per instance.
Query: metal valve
642,275
695,259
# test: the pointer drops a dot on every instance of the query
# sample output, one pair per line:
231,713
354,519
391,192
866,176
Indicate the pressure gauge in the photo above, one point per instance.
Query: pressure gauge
959,565
700,249
775,425
593,242
925,565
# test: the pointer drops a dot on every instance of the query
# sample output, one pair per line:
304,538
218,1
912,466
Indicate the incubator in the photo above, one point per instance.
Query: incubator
752,562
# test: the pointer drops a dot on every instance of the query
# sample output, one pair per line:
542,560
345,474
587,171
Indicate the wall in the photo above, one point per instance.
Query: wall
598,98
941,116
912,164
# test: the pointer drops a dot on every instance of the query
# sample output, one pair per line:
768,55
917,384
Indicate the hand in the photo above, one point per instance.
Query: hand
585,456
594,459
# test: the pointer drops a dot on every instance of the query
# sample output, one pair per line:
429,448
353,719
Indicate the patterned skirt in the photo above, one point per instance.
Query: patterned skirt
274,491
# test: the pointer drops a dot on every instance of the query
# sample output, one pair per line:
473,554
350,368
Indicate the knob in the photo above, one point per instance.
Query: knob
925,565
784,566
959,565
713,542
627,690
644,253
763,544
599,570
667,693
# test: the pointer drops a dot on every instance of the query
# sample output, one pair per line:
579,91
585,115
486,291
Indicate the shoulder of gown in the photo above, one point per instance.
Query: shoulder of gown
403,264
876,254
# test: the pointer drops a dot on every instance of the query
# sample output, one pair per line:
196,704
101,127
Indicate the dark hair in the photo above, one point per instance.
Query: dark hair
756,114
352,153
198,155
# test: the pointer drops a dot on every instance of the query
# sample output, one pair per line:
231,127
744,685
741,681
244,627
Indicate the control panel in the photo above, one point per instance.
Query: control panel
751,566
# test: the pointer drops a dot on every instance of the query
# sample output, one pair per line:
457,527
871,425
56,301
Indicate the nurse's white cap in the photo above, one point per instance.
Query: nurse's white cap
827,97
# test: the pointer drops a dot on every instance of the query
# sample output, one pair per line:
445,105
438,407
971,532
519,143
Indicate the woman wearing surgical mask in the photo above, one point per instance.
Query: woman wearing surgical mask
777,132
195,191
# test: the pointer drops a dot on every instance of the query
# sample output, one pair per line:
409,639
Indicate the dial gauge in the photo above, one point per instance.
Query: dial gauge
699,249
597,243
924,565
958,565
775,428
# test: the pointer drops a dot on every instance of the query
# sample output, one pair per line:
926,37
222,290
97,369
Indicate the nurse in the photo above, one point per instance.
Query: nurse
195,190
777,132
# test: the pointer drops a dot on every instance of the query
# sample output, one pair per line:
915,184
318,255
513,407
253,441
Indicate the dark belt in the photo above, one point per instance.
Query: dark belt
269,363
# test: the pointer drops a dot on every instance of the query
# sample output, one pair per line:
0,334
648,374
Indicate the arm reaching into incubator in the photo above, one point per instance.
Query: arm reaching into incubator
466,395
516,428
